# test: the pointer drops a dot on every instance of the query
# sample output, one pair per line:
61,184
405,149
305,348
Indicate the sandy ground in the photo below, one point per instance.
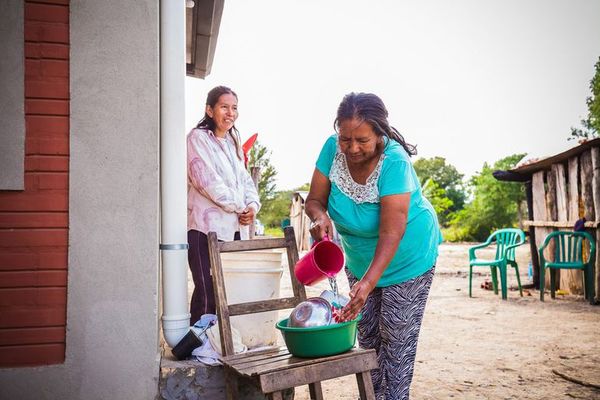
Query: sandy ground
486,348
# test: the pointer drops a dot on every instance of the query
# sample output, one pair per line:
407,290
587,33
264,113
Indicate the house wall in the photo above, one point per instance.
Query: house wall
34,222
562,193
112,314
12,113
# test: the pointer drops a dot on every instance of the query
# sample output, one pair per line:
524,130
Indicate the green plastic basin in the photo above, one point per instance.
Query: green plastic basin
319,341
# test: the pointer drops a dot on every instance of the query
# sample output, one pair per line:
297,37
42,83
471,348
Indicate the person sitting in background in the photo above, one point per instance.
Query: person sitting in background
365,181
221,194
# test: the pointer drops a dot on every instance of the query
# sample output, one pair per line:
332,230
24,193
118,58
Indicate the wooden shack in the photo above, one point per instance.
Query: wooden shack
300,221
562,189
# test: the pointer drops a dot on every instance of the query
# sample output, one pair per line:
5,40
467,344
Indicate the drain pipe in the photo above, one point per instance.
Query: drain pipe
173,171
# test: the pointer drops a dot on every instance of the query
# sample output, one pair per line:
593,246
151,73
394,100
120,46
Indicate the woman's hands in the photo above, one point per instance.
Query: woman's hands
246,217
316,206
358,296
321,227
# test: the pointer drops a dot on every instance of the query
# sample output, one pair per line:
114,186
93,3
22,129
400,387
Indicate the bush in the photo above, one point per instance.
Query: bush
495,204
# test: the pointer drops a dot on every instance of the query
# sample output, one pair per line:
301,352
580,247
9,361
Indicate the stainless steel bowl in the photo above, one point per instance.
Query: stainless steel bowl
337,301
314,311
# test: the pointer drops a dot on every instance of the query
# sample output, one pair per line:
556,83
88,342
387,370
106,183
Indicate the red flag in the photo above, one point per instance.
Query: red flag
247,146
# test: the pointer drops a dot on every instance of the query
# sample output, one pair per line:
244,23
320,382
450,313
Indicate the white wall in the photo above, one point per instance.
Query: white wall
112,318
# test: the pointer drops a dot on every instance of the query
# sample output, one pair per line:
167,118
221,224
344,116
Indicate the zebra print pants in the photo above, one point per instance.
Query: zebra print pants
391,320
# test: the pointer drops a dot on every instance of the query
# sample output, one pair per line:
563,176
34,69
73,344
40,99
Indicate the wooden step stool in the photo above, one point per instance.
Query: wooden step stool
275,369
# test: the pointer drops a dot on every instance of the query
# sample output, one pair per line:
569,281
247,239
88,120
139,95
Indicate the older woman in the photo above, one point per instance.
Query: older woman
364,182
221,195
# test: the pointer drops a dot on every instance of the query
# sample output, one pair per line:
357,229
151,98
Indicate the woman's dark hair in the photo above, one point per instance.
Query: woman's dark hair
208,123
369,108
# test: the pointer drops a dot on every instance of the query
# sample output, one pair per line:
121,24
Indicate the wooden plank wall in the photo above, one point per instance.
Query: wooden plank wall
562,200
34,222
300,222
552,182
561,196
540,212
571,280
587,197
595,157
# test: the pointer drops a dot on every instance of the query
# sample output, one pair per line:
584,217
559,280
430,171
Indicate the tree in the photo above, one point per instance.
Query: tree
438,199
445,175
495,204
276,209
591,125
259,156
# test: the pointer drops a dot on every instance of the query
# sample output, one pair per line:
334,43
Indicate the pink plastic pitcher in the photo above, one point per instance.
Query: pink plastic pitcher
324,260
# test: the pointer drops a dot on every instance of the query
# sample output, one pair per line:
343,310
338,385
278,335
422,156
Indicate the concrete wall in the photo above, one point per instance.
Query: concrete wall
12,114
112,312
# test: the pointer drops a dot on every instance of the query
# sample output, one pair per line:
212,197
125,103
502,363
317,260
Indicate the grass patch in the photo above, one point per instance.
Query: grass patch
274,232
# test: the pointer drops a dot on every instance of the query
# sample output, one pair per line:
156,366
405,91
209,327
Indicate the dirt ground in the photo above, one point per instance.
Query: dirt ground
486,348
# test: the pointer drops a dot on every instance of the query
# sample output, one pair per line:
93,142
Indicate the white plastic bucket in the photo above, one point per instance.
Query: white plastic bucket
253,276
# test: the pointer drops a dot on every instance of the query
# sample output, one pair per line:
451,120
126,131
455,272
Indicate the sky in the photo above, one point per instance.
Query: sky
472,81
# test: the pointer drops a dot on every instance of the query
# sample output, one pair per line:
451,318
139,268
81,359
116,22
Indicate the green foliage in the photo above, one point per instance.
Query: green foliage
275,205
276,209
442,185
438,199
495,204
259,156
446,176
591,125
276,232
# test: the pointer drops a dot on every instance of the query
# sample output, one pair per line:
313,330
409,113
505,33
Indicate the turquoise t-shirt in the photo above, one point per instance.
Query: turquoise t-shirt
355,208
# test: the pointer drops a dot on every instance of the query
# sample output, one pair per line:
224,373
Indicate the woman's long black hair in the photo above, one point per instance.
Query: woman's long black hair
369,108
208,123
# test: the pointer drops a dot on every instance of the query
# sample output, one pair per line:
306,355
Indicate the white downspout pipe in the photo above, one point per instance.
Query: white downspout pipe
173,171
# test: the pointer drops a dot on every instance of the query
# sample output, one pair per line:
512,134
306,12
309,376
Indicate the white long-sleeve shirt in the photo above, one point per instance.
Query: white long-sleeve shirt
219,186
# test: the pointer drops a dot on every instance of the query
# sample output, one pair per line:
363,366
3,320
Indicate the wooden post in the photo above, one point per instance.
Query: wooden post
587,199
552,209
539,211
571,280
292,254
296,219
587,195
573,210
220,294
306,228
562,201
551,197
255,175
595,156
535,262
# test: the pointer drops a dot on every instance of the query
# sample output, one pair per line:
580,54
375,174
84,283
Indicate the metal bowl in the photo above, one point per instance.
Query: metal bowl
314,311
338,301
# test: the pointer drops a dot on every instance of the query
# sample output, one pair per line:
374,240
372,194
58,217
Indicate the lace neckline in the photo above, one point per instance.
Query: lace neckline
358,192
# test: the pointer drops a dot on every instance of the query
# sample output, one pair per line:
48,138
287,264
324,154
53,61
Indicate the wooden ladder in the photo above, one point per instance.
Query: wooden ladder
274,370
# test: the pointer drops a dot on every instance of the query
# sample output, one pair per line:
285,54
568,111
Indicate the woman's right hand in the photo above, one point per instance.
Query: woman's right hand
321,227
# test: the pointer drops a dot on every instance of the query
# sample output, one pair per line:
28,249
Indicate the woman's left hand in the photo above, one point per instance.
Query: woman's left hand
246,217
358,296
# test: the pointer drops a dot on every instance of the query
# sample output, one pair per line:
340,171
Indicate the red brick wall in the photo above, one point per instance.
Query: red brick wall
34,223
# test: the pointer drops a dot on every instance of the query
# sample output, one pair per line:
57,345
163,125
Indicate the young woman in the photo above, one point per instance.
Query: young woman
221,194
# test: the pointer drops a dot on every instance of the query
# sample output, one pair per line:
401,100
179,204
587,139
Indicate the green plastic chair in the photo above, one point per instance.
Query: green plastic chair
568,254
506,242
